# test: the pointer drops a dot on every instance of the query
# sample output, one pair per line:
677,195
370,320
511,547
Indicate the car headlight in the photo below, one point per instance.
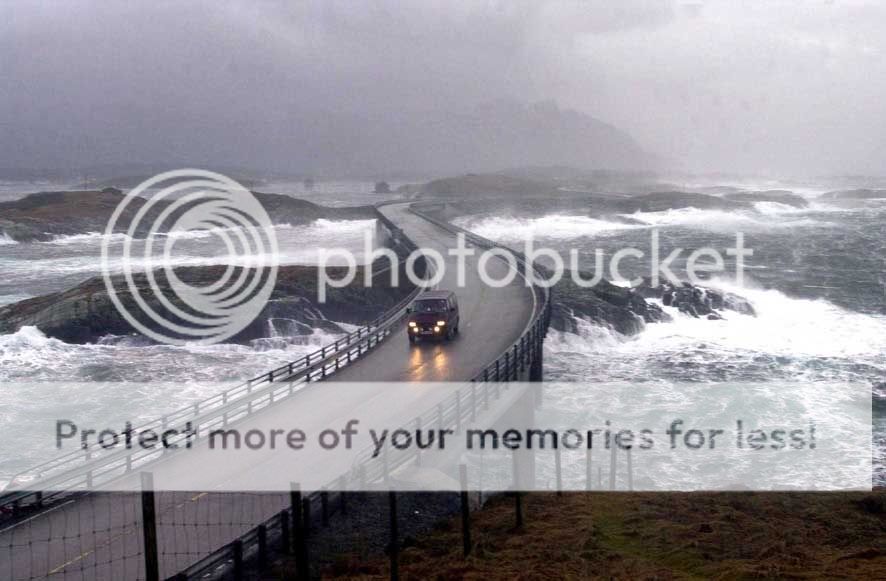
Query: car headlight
441,323
412,323
436,329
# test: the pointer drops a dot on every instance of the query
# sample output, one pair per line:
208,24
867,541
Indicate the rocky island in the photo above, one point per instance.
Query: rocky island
46,215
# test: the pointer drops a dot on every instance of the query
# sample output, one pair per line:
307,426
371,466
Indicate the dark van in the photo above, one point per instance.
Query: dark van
433,315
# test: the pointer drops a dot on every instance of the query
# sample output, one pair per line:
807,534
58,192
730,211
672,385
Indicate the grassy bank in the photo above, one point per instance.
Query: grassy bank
650,536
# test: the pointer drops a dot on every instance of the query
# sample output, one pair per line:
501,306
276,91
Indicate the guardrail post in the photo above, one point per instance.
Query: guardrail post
523,352
149,528
536,371
516,360
589,472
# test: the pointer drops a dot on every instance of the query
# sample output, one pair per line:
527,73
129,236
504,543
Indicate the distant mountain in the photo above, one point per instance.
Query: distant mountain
503,134
318,140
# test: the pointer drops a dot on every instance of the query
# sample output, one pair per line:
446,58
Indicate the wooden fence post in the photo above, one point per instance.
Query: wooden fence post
299,532
149,528
237,555
465,511
518,509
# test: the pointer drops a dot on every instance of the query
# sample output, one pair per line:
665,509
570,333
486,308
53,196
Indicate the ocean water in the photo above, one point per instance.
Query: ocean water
38,372
817,279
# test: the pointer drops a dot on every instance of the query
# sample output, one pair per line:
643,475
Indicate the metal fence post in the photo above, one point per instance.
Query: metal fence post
149,528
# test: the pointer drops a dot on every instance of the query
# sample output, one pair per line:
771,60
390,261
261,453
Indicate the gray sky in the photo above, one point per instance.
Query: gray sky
794,86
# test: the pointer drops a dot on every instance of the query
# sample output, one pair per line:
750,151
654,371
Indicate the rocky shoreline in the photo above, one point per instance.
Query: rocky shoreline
46,215
627,310
85,313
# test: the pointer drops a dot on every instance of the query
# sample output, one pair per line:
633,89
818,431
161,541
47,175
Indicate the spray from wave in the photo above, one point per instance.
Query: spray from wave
556,226
789,337
769,215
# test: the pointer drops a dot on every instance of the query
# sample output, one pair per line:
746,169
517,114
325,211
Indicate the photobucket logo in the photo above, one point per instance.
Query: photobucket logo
180,205
498,267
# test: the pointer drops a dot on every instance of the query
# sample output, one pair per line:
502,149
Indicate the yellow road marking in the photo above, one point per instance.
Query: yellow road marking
125,532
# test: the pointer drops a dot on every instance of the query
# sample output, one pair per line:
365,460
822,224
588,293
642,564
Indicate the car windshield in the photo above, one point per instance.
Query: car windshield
429,306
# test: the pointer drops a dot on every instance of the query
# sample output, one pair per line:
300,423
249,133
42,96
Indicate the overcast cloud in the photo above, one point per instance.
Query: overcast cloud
757,85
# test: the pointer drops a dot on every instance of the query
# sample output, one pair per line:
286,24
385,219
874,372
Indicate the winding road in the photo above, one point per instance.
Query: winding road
98,536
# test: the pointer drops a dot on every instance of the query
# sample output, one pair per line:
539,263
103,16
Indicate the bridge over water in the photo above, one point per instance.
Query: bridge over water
85,534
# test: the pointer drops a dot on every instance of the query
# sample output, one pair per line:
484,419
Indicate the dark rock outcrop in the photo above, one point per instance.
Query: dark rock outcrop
620,309
661,201
85,313
44,215
485,184
695,300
